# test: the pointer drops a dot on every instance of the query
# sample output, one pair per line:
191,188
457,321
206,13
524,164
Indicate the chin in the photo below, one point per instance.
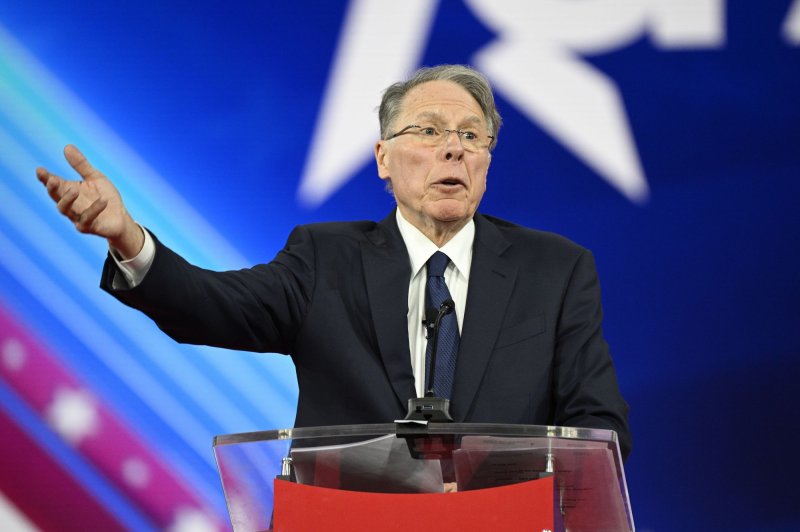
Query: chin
451,216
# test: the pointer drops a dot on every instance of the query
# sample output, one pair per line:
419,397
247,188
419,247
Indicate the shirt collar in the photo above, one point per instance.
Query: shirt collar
420,248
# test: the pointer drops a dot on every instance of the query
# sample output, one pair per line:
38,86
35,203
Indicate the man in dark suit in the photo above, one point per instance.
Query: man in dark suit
347,300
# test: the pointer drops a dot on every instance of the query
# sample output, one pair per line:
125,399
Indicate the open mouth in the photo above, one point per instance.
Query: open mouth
450,182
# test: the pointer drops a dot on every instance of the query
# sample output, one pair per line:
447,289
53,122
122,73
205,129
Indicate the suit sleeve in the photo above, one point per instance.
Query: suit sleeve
256,309
586,387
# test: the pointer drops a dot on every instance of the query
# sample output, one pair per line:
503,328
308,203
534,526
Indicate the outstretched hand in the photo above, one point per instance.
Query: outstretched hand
93,204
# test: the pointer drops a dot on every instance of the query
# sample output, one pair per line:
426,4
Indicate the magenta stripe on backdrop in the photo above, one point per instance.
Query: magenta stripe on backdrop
43,490
80,418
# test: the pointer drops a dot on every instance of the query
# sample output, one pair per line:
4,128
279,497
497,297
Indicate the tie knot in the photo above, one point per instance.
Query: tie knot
437,263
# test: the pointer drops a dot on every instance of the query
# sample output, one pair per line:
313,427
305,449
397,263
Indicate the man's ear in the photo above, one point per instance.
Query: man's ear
382,159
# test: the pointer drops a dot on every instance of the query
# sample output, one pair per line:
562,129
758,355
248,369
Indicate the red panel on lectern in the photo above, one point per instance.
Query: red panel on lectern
527,506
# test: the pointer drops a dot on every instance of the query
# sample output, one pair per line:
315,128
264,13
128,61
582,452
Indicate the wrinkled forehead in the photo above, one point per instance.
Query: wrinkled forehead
438,118
442,102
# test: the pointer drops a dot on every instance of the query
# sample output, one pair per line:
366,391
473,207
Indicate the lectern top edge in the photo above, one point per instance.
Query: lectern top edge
493,429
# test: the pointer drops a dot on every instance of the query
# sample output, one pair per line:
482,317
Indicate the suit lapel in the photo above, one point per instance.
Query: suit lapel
387,274
491,281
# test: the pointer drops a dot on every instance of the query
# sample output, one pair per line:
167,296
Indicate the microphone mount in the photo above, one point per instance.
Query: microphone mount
428,409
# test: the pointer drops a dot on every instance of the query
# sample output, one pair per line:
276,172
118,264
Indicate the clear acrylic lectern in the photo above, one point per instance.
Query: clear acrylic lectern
446,474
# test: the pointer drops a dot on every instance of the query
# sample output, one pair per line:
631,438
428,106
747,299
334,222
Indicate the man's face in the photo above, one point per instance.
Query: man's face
436,187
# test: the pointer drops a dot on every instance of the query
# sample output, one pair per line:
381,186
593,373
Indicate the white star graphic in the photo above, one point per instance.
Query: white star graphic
536,62
13,354
191,520
136,472
791,25
73,414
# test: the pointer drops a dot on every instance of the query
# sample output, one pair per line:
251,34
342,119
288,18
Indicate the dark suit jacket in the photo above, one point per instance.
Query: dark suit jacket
335,299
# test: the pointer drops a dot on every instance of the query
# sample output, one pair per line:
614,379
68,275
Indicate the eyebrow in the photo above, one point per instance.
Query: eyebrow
437,117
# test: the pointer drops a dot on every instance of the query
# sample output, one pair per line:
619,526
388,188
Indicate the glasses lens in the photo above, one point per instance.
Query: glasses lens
470,141
430,135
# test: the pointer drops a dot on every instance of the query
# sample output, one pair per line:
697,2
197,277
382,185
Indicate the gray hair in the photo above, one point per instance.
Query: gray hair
473,82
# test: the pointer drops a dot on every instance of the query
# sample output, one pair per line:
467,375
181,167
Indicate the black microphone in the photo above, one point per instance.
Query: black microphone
447,306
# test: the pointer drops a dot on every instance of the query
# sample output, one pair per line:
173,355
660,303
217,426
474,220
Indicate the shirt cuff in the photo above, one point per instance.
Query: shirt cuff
134,270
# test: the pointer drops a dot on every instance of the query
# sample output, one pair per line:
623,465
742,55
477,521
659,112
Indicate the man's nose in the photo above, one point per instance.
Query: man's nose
452,145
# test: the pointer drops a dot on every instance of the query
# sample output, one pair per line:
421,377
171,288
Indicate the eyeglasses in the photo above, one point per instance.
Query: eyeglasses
433,136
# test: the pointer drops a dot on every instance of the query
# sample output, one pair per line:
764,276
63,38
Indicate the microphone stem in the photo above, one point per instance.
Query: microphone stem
432,373
443,309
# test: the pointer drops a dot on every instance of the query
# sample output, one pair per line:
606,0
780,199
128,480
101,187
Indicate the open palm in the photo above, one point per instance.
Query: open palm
93,204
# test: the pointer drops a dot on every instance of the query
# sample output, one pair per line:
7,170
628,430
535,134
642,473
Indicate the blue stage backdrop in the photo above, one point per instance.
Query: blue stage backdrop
663,135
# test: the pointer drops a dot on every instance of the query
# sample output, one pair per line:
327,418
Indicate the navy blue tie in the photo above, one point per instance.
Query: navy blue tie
447,349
